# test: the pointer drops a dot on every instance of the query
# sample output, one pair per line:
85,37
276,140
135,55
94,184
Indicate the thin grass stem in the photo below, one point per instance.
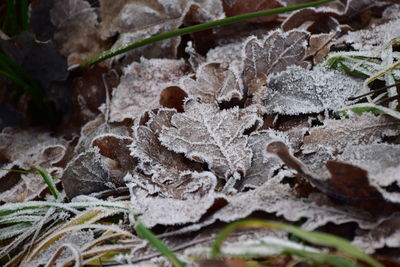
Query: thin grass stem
49,181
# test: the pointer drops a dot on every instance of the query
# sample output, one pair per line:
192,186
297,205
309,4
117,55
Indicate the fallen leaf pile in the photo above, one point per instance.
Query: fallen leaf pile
252,128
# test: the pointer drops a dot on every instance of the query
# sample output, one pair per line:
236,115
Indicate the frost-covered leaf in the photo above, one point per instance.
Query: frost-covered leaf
226,55
356,130
99,127
345,183
166,173
24,149
279,199
320,45
374,38
300,91
141,85
326,19
274,54
382,161
135,20
76,34
386,234
170,211
86,173
213,84
315,20
115,148
263,165
206,134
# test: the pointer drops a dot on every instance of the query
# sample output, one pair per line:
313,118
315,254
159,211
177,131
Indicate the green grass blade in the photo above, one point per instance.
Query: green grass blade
14,78
321,258
13,230
317,238
24,8
145,233
195,28
49,181
10,20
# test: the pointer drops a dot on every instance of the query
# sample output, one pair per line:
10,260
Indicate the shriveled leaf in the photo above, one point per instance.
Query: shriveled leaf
300,91
206,134
141,85
274,54
119,161
327,19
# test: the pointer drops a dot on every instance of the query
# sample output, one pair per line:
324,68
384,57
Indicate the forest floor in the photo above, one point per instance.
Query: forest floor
290,122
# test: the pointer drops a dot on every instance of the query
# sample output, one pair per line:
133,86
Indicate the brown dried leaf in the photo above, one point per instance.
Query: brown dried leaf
116,149
315,20
206,134
76,34
320,45
357,130
99,127
155,160
274,54
386,234
346,183
141,85
382,162
327,19
213,84
85,174
236,7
